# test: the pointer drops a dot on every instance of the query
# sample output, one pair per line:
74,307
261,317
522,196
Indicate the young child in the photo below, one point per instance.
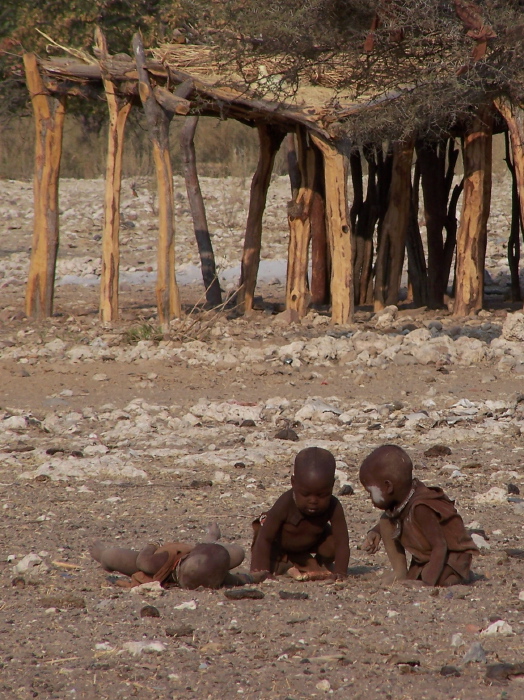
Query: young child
418,519
304,534
177,564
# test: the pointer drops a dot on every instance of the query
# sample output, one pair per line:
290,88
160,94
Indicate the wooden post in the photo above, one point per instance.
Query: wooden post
515,228
513,113
417,270
299,212
269,143
320,263
158,120
338,231
390,255
198,213
364,214
472,233
119,108
49,114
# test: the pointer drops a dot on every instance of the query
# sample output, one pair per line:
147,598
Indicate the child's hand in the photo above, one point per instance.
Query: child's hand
372,542
338,577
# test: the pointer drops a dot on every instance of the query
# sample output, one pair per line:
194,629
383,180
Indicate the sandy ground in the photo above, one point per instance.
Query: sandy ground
151,447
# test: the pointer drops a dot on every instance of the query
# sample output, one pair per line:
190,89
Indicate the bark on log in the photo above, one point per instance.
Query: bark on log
198,213
299,219
118,112
365,216
269,143
320,262
167,295
390,255
49,115
513,114
417,269
514,231
338,231
472,234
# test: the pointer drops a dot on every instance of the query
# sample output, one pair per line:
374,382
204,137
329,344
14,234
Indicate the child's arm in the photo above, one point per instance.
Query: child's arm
429,523
339,529
261,552
373,538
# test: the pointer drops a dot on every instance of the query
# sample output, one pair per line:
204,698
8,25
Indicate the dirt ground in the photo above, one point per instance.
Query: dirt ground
64,631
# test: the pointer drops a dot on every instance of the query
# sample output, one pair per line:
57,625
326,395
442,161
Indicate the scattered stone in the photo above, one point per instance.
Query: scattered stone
324,685
151,590
189,605
243,593
180,631
137,648
457,640
149,611
475,654
437,451
248,423
54,451
513,489
200,483
494,495
450,671
515,553
18,582
498,628
480,541
100,377
287,434
346,490
500,674
293,595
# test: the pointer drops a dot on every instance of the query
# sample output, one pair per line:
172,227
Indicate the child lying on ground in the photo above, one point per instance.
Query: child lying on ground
417,519
304,534
177,564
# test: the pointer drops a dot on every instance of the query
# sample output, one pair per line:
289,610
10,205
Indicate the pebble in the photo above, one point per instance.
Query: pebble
242,593
450,671
138,648
149,611
475,654
498,628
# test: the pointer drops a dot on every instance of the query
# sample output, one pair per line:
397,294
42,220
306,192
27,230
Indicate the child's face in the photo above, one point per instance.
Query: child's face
378,493
312,496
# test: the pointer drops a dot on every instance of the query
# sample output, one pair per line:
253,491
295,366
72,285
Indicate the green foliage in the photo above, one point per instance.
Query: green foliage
146,331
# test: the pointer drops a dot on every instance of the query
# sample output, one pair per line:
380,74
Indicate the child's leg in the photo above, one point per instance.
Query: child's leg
149,562
326,552
395,551
115,558
236,554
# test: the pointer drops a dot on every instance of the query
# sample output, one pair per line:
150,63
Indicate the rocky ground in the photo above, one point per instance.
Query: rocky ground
123,435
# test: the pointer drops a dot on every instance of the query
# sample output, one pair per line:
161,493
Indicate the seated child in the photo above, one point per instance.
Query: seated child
305,521
177,564
418,519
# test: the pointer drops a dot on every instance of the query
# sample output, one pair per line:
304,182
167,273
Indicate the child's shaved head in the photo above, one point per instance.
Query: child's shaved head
315,464
387,463
206,565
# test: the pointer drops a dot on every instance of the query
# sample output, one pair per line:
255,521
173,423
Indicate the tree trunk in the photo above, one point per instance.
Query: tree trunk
118,112
390,255
514,232
49,122
338,231
320,263
366,217
269,143
158,120
472,234
198,213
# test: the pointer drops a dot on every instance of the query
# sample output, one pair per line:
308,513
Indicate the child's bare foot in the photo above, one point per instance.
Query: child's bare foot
95,550
392,577
298,575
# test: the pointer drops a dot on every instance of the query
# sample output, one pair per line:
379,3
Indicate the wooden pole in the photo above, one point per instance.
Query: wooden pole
472,233
513,113
417,270
338,231
514,231
320,263
390,254
299,211
269,143
119,108
158,120
366,216
198,213
49,114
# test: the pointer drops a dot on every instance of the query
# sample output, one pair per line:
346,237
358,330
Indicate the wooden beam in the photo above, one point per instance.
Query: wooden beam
390,254
472,233
49,114
513,114
269,143
198,213
158,120
118,112
299,218
320,262
338,231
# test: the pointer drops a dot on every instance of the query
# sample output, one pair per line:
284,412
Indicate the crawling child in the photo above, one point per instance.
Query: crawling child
417,519
177,563
304,534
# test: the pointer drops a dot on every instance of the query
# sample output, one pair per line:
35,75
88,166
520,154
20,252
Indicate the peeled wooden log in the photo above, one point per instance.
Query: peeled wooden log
338,231
198,213
390,254
417,269
472,233
49,112
364,214
158,119
299,219
118,112
513,114
320,261
269,143
515,228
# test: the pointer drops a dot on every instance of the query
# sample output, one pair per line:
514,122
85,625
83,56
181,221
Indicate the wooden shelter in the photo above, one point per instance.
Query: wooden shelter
184,81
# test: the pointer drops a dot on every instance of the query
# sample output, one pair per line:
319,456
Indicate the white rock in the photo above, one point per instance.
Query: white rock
494,495
323,685
100,377
137,648
480,541
220,477
150,590
457,640
30,561
189,605
14,423
104,646
500,627
513,327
